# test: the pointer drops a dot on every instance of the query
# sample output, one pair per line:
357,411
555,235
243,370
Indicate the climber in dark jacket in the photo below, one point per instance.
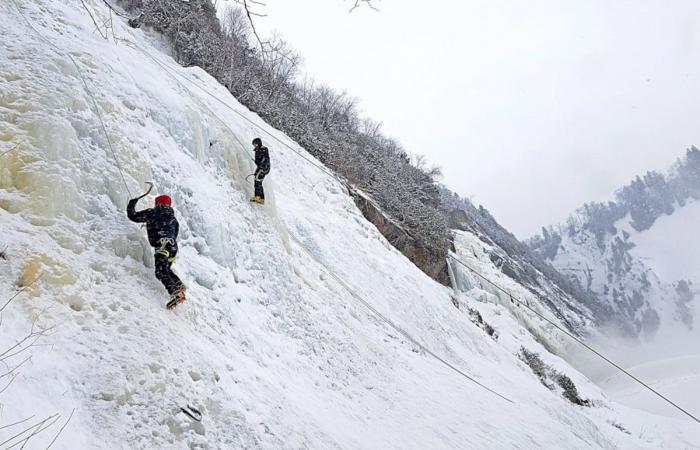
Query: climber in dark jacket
262,161
162,228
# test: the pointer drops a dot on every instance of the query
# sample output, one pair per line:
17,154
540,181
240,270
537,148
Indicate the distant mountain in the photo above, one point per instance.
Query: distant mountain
598,248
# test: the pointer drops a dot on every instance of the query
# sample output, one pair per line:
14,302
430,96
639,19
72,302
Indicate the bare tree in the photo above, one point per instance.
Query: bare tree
235,23
324,121
248,6
252,9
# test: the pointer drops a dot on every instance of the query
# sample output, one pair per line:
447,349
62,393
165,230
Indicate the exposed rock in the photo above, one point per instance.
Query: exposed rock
427,260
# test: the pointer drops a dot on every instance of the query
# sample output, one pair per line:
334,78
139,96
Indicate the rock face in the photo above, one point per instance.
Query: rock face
433,264
511,257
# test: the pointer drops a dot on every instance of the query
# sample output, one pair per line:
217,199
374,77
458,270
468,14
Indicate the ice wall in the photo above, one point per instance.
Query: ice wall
270,346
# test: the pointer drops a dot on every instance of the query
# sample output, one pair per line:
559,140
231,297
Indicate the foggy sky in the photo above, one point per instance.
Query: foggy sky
531,108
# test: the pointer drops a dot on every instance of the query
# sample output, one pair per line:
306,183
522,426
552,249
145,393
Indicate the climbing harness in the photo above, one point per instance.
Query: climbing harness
164,242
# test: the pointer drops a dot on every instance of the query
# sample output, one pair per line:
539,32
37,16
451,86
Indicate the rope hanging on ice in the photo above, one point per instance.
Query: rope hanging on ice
400,330
335,176
87,90
192,412
10,150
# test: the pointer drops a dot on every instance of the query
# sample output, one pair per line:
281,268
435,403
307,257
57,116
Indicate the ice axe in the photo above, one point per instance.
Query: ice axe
150,188
253,175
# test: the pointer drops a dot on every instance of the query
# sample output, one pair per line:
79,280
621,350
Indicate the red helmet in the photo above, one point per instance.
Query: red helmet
164,200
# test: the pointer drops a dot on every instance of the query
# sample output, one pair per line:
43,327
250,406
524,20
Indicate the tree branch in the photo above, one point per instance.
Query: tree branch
36,427
250,15
117,12
61,430
368,3
21,290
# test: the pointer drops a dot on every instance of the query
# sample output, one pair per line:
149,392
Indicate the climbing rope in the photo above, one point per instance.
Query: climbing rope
10,150
173,74
327,171
87,90
335,176
579,341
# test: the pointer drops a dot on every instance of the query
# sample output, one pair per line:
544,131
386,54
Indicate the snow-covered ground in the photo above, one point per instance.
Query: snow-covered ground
273,350
671,362
654,361
667,359
676,378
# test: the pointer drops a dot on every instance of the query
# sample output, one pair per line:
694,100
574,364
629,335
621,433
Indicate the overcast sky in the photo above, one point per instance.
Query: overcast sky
531,107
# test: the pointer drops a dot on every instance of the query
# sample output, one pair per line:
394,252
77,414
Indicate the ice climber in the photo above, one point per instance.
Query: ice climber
262,161
162,228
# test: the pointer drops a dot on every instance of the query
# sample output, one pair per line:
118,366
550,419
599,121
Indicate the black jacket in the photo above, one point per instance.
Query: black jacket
160,221
262,159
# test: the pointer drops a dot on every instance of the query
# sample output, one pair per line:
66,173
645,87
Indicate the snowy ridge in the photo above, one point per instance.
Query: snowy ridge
621,250
618,276
623,269
272,349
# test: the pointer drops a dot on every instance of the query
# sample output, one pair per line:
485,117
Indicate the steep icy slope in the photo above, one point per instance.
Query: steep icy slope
476,274
481,239
271,347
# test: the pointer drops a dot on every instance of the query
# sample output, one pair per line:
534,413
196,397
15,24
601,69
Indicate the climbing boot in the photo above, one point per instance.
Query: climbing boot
176,298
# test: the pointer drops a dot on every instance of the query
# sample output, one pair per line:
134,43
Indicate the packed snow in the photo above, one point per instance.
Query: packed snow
675,378
270,347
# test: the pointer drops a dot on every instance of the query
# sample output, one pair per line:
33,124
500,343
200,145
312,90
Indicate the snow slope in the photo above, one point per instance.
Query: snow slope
670,246
641,274
675,378
472,255
272,349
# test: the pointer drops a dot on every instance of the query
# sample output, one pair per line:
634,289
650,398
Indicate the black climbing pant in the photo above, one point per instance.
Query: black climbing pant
164,259
259,177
